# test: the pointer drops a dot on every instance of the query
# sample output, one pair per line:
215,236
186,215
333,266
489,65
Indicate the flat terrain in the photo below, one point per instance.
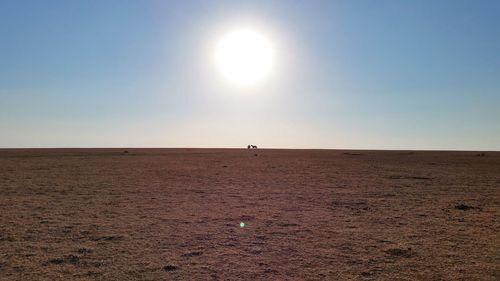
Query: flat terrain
174,214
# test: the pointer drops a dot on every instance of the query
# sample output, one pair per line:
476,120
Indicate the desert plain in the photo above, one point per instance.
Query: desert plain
175,214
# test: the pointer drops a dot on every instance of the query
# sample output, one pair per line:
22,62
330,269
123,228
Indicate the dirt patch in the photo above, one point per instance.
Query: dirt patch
175,214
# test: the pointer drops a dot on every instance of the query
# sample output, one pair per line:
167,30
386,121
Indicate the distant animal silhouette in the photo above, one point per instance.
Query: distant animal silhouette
251,146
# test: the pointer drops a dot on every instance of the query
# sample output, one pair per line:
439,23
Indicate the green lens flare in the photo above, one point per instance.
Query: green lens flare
242,224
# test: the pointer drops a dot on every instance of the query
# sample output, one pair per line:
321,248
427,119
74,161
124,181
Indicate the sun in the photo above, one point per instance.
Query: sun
244,57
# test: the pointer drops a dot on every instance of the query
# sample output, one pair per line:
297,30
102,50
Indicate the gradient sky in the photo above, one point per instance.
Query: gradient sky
348,74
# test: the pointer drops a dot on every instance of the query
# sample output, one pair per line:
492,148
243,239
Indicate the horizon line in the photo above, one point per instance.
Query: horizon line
245,148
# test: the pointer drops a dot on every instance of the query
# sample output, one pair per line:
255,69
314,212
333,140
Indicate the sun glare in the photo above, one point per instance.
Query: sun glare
244,57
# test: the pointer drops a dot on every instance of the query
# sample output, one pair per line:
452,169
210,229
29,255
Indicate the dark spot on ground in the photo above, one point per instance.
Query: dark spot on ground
6,238
399,177
463,207
270,271
419,178
71,259
287,224
85,251
108,238
366,274
193,254
92,273
56,261
170,268
397,252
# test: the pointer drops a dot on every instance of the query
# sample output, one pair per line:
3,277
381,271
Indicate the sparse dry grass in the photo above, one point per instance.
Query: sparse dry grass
174,214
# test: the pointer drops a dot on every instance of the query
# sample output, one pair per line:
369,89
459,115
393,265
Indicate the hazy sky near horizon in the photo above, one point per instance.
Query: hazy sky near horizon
347,74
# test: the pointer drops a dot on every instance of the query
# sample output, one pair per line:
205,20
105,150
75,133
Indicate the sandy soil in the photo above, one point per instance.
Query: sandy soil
174,214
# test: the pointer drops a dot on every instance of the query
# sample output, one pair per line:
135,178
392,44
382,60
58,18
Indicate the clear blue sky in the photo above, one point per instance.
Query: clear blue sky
348,74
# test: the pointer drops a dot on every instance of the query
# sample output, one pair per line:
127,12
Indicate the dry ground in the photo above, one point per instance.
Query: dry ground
174,214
